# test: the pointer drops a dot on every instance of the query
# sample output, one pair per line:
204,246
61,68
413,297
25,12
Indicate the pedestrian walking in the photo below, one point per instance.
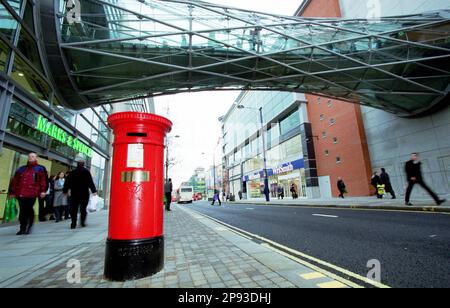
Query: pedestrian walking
79,182
216,197
168,188
341,187
60,199
44,206
280,192
240,195
385,179
294,191
413,169
375,181
29,183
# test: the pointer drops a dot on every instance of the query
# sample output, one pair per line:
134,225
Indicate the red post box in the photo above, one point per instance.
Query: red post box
135,245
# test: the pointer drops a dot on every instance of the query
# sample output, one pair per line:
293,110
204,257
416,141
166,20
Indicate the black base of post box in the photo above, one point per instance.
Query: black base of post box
133,259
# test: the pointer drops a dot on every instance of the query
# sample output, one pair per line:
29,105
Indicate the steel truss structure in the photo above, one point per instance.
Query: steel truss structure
119,50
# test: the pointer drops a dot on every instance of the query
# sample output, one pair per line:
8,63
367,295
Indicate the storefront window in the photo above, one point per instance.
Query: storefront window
22,123
83,126
62,148
26,77
28,48
4,53
100,141
65,113
6,170
256,189
25,131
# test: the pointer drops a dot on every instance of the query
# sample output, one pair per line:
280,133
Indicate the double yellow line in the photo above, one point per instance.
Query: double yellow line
303,258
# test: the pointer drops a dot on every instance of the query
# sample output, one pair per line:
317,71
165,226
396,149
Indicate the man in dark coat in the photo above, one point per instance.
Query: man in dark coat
414,176
28,184
79,182
386,180
341,187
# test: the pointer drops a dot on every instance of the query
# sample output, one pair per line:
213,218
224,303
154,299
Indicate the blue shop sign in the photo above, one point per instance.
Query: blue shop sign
284,168
289,167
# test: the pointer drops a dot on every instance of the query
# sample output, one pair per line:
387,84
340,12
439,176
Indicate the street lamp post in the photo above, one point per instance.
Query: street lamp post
214,171
266,178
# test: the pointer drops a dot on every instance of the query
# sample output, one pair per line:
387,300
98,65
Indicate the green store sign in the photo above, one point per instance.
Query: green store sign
43,125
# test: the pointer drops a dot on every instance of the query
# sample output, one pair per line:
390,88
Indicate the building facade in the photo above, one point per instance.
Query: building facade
288,140
341,146
388,139
31,115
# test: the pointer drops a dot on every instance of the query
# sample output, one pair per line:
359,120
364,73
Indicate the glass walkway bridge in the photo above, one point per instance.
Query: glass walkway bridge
106,51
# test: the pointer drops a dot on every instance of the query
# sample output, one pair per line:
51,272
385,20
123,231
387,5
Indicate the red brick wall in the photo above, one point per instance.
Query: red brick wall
351,145
322,8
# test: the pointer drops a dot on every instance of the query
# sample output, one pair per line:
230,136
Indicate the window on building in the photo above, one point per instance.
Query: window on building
322,117
8,23
318,100
335,140
4,53
289,123
338,160
292,148
332,121
28,78
330,103
327,153
324,135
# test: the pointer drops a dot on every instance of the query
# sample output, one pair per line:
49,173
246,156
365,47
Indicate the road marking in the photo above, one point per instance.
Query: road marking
348,208
326,216
332,285
221,229
314,267
312,276
305,256
249,208
433,236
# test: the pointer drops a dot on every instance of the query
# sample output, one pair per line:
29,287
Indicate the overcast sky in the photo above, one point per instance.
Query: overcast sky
195,116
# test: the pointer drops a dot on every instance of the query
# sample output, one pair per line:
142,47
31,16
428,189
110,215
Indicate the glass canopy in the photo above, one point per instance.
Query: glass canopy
123,49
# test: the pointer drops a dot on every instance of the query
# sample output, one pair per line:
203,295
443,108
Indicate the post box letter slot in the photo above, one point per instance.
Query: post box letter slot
137,134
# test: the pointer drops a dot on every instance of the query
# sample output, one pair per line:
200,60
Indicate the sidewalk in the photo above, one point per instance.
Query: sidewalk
426,205
199,253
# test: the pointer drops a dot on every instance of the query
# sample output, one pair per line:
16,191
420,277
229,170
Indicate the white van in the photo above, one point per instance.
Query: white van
186,194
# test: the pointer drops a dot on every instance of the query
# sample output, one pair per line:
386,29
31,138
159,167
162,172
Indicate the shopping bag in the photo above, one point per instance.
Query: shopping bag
92,205
11,210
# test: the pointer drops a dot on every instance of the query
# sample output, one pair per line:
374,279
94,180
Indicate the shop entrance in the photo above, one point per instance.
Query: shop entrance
10,161
294,179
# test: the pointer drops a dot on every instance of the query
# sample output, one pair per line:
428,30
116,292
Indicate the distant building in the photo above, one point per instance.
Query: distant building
289,145
354,141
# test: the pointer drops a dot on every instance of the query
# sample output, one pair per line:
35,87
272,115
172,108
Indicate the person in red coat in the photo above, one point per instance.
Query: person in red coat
28,184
